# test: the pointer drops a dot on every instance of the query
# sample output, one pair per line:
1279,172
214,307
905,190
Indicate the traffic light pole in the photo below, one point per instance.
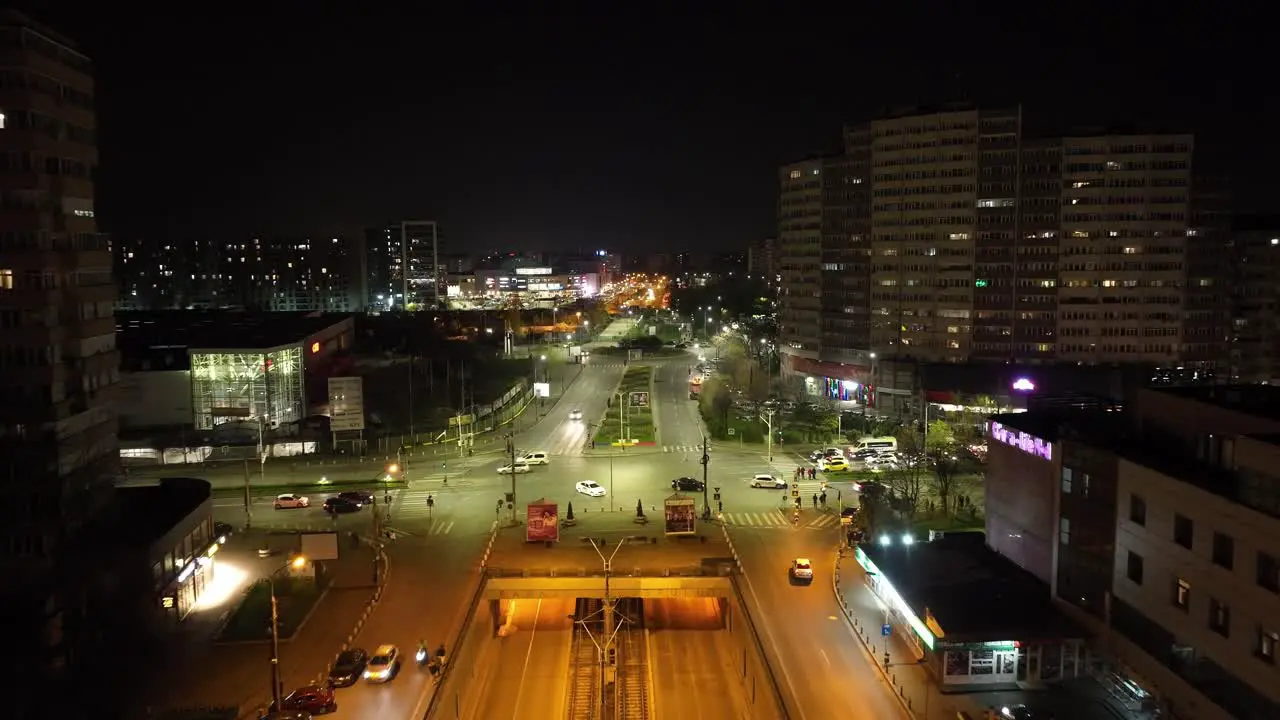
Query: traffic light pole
511,448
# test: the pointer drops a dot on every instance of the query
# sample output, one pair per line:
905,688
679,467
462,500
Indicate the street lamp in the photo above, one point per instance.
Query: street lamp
297,563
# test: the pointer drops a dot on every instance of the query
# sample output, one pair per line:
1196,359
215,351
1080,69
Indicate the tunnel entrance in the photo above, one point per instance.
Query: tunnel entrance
684,613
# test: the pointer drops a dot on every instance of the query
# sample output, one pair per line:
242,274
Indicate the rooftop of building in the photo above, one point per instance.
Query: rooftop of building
148,512
974,593
1144,444
173,332
1261,401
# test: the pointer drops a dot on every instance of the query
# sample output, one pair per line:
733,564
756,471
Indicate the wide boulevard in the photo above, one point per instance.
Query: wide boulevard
442,521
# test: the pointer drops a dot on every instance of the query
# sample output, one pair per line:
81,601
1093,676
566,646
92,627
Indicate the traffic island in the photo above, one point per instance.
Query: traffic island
296,598
629,420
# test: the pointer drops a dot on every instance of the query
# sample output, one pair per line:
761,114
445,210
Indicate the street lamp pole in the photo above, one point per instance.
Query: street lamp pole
768,424
296,563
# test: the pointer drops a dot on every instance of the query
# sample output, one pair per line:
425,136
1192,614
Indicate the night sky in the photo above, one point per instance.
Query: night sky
633,133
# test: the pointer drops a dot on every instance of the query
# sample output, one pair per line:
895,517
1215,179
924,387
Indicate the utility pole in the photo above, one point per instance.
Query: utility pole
706,463
511,448
768,424
248,496
608,652
411,438
377,542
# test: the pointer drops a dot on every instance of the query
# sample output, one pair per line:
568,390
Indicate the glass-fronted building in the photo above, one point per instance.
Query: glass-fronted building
234,385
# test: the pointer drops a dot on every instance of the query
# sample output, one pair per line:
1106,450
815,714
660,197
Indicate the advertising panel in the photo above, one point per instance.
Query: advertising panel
542,390
542,521
681,518
346,403
640,399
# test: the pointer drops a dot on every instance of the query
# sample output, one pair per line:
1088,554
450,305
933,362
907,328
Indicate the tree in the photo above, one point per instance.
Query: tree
639,508
758,385
942,446
569,515
716,400
907,480
968,423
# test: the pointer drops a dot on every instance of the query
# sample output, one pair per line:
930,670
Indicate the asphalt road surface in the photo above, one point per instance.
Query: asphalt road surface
692,662
822,668
528,678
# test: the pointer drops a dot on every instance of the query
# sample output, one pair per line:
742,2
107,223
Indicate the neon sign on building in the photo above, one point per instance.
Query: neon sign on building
1026,442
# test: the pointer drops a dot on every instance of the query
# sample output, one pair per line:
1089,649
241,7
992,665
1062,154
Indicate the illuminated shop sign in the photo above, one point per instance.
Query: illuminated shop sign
890,595
533,271
1024,385
1026,442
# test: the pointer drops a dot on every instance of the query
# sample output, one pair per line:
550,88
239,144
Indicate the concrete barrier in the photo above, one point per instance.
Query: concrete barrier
465,677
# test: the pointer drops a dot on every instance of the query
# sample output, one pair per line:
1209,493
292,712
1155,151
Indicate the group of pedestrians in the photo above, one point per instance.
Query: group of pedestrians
803,473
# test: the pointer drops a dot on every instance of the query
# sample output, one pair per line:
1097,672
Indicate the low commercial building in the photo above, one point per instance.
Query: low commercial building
170,524
1158,530
974,619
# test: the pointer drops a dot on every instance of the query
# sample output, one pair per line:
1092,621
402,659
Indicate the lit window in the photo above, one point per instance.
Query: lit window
795,174
1182,594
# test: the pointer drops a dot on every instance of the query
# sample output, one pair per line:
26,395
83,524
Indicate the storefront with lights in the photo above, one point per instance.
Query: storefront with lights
968,615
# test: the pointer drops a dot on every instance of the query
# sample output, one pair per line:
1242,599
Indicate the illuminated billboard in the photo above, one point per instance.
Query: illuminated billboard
542,522
533,271
1026,442
681,518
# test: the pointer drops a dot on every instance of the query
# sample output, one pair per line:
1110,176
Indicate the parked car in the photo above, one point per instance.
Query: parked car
768,481
314,699
688,483
362,497
384,665
222,531
339,505
348,667
591,488
519,467
291,501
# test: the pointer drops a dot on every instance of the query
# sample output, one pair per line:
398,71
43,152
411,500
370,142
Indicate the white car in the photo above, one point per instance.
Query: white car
383,665
591,488
802,570
536,457
768,481
290,501
575,414
519,467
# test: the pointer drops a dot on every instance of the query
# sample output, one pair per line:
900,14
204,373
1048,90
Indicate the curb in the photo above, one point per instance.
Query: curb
856,629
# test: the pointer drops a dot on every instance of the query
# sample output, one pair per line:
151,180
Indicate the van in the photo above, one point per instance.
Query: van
537,457
877,444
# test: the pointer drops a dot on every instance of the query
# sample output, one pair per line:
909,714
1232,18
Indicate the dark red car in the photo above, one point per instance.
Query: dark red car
312,698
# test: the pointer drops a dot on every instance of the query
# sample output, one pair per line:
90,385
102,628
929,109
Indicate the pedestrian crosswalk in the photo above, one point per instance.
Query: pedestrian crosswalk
435,527
684,449
779,519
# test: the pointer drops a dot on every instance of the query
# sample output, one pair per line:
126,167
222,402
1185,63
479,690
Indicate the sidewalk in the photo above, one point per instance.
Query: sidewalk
191,670
915,687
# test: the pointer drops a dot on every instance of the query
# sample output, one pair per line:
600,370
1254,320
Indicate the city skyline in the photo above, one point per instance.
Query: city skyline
561,135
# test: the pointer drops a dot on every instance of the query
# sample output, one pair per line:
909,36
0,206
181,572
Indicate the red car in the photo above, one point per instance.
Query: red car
312,698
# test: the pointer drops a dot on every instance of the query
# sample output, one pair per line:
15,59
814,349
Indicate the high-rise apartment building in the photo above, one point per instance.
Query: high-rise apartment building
800,256
1255,297
273,274
405,264
761,258
58,361
952,236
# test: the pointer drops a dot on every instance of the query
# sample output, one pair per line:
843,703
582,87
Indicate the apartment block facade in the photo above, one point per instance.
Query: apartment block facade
59,451
954,236
276,274
1158,530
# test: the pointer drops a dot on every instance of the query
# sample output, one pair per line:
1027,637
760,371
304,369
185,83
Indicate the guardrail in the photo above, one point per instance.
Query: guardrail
863,639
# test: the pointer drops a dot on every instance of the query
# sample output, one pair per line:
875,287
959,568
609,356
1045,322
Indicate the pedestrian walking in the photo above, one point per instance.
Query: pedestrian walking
815,501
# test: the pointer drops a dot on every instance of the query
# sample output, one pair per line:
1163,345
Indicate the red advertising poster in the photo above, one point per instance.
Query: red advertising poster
681,518
542,522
